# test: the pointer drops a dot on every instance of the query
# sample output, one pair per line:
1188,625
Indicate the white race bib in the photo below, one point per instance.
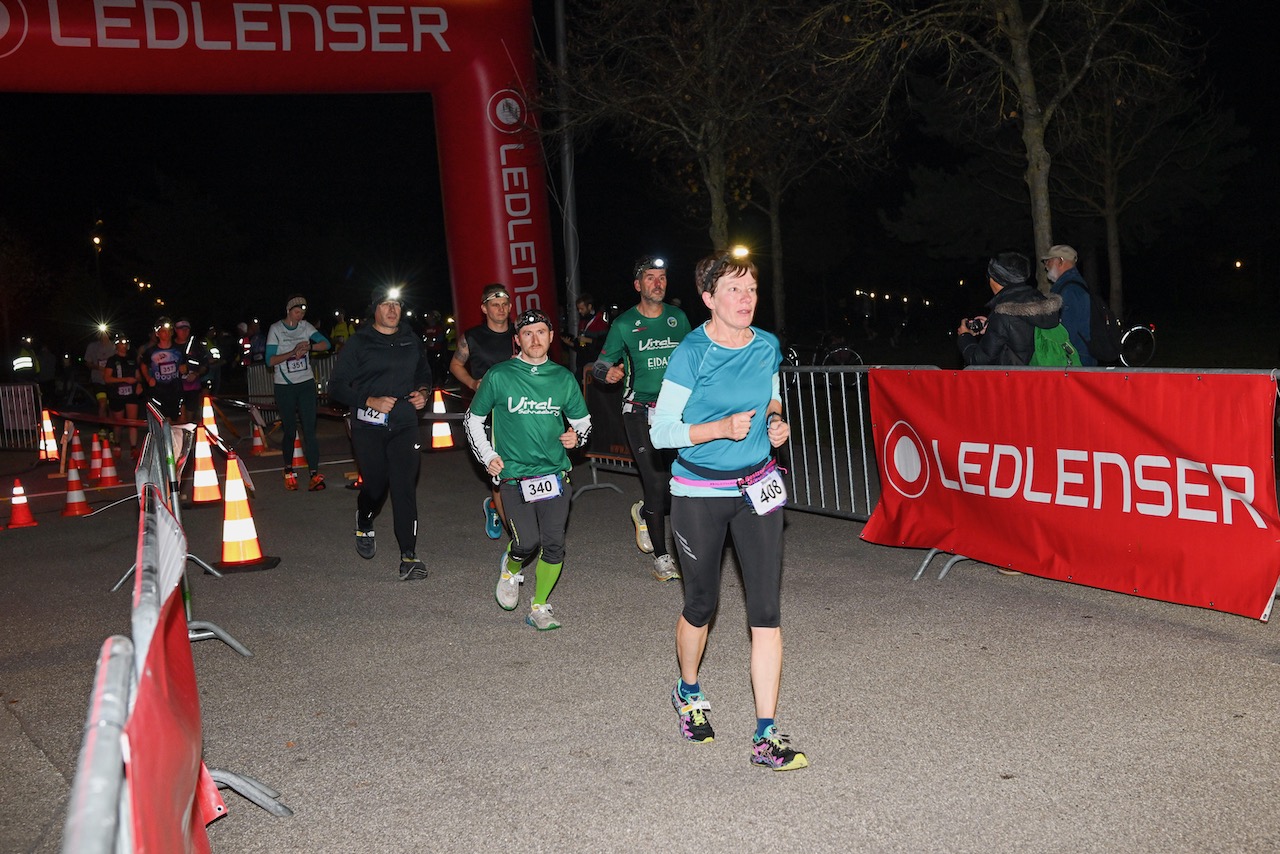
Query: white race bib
124,390
540,488
293,366
371,416
767,494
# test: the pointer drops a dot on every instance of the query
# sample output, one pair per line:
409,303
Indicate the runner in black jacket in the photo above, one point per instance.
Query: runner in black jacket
384,376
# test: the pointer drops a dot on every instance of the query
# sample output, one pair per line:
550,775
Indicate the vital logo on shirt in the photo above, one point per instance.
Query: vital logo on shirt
525,406
657,344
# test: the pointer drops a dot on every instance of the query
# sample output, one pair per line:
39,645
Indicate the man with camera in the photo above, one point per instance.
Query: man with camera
1006,335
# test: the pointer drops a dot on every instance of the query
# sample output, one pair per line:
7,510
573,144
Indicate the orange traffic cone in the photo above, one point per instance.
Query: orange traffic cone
77,460
259,442
20,513
76,503
48,444
240,549
95,459
299,458
107,475
441,434
206,417
205,484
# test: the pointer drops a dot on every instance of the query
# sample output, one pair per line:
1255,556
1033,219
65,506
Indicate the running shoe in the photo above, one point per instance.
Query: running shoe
411,569
492,521
774,752
317,482
508,590
692,710
664,568
540,618
366,546
642,529
291,481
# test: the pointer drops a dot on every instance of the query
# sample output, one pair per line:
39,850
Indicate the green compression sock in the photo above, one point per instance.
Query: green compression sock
548,575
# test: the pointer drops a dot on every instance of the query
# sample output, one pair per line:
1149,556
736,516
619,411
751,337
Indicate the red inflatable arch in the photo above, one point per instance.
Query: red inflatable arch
475,57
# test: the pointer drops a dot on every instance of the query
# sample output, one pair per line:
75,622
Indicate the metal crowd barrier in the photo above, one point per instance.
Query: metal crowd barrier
20,406
830,457
262,385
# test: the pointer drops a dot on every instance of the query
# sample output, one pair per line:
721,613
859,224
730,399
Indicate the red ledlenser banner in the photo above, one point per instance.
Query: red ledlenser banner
1156,485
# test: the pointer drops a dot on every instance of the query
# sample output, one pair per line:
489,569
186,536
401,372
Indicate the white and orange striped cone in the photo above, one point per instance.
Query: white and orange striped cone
240,549
207,419
77,505
77,460
95,459
107,475
259,446
204,488
441,433
19,511
48,444
299,462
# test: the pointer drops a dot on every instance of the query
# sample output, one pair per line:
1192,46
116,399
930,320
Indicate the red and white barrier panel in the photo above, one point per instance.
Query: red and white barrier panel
1159,485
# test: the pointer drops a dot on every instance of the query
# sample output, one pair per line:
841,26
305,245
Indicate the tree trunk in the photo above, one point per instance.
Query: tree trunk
1113,261
715,172
1009,14
777,286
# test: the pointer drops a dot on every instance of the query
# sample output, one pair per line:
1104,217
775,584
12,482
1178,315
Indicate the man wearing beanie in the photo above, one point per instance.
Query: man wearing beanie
1006,335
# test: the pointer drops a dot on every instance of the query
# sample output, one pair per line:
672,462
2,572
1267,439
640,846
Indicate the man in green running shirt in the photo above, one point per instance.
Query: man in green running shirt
538,414
637,348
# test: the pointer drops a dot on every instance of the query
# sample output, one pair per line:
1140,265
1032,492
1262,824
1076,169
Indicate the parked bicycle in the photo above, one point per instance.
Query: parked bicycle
830,349
1138,345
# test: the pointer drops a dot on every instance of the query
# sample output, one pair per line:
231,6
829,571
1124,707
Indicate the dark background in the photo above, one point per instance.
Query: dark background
227,204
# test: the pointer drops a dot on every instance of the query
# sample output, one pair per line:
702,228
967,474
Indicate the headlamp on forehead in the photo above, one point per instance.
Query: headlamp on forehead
163,323
648,262
532,316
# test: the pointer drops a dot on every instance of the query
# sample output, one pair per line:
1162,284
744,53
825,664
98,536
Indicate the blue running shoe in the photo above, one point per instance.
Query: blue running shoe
492,521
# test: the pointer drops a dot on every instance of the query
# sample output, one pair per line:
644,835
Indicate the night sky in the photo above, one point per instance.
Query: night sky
330,195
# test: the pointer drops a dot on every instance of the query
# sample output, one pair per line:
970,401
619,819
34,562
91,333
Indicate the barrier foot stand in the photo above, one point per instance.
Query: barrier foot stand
925,563
251,790
206,567
124,578
947,567
198,630
103,509
594,484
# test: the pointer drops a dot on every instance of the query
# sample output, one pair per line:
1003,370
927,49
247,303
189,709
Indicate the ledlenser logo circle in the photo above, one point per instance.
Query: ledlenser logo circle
506,111
906,460
13,26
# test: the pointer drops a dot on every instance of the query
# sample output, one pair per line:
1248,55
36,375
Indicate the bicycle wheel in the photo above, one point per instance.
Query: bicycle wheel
840,357
790,359
1137,346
